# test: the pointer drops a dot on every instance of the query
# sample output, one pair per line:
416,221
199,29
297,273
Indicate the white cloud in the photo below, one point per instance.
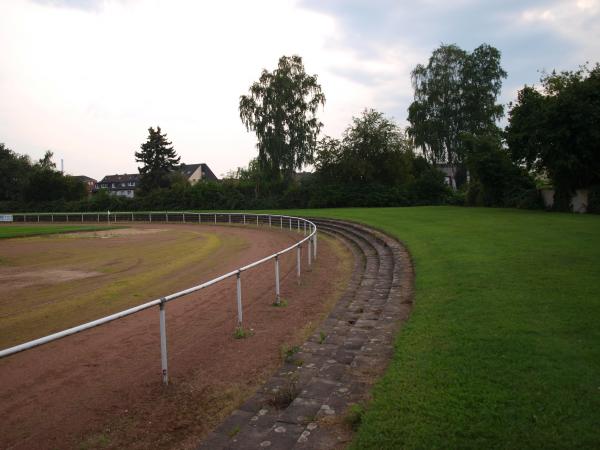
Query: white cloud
87,77
576,21
87,83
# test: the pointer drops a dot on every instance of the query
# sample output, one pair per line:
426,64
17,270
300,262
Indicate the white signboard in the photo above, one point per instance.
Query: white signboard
6,218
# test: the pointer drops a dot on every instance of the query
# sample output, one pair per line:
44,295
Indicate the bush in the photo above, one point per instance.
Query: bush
594,199
429,188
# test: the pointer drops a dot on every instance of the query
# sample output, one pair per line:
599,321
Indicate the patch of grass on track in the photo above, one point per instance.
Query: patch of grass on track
13,231
127,273
502,349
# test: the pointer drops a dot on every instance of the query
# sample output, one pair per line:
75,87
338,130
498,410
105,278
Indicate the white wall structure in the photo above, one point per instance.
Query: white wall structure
579,201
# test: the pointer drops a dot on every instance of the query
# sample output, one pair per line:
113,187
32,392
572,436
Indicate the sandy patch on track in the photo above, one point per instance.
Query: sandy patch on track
103,234
12,278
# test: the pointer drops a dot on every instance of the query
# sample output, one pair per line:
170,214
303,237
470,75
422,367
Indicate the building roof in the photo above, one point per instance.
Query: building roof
188,170
126,177
85,178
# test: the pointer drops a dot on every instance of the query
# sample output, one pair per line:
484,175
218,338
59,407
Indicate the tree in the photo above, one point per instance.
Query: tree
555,130
281,109
45,183
372,150
454,94
158,158
495,179
15,171
46,162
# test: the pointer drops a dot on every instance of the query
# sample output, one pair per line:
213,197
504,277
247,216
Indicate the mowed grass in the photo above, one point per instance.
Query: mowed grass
502,349
12,231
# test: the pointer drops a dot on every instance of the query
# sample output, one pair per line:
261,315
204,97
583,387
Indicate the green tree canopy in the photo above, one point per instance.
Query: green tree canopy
495,179
15,170
46,163
20,180
454,94
281,109
555,130
158,158
372,149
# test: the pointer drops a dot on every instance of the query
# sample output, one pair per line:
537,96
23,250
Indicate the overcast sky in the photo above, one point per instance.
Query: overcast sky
86,78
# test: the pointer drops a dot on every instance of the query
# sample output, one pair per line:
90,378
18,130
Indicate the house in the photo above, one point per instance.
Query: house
90,183
126,184
121,185
196,172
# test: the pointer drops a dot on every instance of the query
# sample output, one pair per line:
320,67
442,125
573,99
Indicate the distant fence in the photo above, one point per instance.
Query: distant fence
304,226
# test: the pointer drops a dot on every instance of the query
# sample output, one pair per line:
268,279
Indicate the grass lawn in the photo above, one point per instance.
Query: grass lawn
12,231
503,346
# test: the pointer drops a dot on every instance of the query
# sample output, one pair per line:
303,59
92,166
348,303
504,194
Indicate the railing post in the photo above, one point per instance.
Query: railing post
309,251
183,217
166,217
315,245
239,298
67,216
257,220
163,343
215,219
199,218
281,222
290,219
269,220
304,228
38,217
298,223
277,292
298,259
244,219
229,215
51,217
132,217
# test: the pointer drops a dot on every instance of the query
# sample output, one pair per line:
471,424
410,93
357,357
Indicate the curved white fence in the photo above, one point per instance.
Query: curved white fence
308,228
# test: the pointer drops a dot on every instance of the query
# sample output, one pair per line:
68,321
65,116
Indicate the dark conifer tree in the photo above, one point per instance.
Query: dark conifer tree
159,159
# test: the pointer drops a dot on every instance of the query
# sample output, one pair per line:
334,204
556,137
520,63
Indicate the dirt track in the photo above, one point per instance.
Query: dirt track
101,388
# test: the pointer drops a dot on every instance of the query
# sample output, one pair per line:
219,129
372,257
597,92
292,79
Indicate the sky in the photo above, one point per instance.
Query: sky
87,78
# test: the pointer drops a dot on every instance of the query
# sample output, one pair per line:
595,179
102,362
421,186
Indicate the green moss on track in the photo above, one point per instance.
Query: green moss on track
13,231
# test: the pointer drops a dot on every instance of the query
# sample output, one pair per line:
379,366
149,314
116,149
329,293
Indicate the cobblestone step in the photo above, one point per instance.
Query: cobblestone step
304,404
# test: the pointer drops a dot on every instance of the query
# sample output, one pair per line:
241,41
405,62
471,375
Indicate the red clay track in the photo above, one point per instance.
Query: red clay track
102,388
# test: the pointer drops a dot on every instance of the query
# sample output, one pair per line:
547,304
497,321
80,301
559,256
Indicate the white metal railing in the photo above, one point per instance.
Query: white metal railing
308,228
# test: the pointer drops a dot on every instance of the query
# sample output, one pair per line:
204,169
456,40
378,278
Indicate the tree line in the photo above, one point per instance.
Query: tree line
25,182
552,137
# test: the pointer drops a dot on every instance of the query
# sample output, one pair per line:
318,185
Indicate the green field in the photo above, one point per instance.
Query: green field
12,231
502,349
